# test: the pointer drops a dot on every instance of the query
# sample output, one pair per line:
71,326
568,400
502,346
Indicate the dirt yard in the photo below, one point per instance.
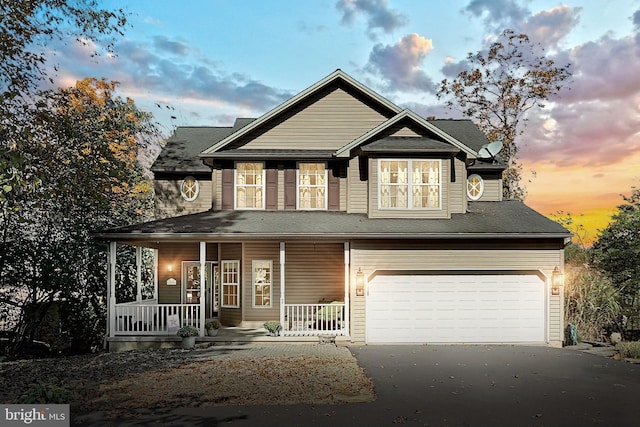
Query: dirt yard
254,375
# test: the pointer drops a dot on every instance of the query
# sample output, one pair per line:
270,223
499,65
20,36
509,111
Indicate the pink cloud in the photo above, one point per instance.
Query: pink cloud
585,133
549,27
399,64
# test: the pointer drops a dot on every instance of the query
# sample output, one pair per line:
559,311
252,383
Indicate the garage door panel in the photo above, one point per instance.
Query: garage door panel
456,308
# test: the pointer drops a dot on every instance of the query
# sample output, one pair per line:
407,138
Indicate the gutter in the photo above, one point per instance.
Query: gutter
318,236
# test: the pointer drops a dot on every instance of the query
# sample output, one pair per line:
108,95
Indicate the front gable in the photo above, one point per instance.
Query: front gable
405,123
326,115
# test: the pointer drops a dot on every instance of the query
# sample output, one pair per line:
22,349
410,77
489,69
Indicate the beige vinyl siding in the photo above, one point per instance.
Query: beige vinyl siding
555,319
405,131
372,256
458,189
374,212
173,254
217,189
492,190
332,121
281,189
169,202
269,251
313,272
357,190
344,183
230,252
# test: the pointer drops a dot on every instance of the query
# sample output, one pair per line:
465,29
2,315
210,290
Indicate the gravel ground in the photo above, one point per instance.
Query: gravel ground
214,376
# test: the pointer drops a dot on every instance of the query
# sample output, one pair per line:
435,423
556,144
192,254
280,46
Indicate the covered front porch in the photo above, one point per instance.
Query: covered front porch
156,318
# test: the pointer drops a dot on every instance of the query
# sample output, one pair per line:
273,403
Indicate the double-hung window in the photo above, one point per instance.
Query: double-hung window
409,184
230,275
312,186
249,185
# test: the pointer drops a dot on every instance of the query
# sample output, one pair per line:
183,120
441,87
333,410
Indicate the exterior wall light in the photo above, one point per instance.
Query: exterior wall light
359,283
171,281
556,281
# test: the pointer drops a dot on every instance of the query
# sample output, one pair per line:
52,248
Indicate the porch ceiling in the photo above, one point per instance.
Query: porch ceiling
503,220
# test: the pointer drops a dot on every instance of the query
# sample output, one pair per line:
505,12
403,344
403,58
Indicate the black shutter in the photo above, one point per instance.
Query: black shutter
271,202
227,189
290,189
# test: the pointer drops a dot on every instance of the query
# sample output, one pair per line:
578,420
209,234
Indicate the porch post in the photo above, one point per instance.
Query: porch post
111,289
138,273
203,277
347,277
155,275
282,313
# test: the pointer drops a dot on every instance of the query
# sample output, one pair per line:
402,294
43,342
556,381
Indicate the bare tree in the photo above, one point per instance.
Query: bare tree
501,85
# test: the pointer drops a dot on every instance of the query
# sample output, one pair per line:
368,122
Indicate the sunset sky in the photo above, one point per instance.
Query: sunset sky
212,61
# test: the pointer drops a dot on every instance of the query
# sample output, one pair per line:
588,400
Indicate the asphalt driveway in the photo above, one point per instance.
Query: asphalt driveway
500,386
455,386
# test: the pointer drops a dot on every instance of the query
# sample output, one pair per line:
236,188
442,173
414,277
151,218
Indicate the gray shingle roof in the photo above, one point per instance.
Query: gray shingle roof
409,144
264,154
507,219
464,131
180,154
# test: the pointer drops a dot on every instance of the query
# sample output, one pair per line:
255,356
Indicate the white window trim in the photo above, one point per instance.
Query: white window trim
197,189
235,187
223,283
253,281
480,191
326,187
410,185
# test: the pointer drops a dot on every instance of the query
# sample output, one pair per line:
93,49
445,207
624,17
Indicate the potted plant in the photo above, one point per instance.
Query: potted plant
273,327
188,334
212,327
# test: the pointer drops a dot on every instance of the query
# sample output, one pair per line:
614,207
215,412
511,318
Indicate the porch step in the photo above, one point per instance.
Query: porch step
226,336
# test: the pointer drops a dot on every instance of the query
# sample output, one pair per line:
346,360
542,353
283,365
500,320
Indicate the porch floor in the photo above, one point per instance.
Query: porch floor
225,335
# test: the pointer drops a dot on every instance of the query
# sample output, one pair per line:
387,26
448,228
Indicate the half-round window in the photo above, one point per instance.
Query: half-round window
475,187
189,189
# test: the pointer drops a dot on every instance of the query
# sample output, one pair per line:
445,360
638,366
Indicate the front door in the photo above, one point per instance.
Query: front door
191,285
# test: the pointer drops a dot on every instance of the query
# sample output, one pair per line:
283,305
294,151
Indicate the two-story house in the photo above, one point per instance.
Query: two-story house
340,213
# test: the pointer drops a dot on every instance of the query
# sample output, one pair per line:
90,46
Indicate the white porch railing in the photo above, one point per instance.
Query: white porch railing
314,319
142,318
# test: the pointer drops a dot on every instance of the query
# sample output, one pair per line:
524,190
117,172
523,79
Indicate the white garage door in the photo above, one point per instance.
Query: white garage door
455,308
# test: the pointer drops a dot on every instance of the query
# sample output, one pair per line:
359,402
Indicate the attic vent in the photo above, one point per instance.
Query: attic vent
431,118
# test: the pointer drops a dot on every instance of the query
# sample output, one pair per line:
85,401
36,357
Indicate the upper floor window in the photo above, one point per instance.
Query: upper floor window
475,187
249,185
312,186
410,184
189,189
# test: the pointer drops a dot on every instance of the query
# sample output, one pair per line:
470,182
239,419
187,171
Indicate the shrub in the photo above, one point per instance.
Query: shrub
590,301
46,393
629,349
188,331
273,326
212,324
